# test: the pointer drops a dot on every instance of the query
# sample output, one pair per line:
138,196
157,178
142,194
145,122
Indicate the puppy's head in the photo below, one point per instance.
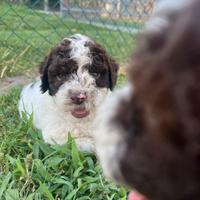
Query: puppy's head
78,73
151,140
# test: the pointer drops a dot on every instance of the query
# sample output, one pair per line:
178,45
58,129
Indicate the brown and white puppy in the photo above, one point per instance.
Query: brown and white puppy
76,76
150,139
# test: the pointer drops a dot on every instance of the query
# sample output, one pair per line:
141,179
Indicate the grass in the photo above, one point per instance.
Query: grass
33,170
29,168
27,35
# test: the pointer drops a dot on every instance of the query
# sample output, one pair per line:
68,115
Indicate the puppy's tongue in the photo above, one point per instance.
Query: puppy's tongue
135,196
80,112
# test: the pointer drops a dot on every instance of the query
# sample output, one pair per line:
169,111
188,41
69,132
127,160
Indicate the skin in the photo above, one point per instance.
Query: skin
136,196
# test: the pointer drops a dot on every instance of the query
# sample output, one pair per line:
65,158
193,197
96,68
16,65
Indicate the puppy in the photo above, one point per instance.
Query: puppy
76,76
150,139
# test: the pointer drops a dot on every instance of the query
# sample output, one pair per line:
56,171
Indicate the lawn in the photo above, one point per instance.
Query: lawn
29,168
27,35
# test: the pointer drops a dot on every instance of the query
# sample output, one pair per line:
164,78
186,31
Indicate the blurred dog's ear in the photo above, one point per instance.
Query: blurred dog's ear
43,70
113,68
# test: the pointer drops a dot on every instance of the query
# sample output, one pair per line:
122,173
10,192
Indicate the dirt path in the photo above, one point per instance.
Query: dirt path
9,82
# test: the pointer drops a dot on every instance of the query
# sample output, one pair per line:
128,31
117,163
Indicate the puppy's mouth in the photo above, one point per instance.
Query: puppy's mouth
80,112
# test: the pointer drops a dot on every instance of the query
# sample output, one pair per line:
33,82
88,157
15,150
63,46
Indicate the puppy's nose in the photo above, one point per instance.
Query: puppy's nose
78,97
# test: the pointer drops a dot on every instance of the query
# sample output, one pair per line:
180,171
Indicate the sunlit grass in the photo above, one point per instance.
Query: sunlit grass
26,36
33,170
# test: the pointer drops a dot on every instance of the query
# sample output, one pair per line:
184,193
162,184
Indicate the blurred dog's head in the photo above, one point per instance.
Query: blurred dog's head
151,140
78,73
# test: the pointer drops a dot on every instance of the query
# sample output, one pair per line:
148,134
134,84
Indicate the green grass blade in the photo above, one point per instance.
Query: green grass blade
12,194
43,189
75,155
4,184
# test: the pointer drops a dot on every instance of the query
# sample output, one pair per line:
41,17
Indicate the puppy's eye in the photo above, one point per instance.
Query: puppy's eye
96,75
59,77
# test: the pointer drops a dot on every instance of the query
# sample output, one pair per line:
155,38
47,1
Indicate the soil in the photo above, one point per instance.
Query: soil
10,82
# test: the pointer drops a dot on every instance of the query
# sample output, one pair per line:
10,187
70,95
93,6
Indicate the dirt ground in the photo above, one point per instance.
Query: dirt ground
9,82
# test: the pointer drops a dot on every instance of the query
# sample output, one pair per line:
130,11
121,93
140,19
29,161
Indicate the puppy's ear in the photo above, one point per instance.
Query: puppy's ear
43,70
113,68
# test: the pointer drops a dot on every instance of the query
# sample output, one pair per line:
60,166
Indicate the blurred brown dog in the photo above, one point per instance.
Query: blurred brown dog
150,140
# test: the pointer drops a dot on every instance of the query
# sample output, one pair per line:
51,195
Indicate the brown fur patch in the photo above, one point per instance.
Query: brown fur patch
103,64
58,66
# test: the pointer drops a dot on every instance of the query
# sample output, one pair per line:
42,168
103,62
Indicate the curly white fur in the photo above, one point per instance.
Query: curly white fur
109,139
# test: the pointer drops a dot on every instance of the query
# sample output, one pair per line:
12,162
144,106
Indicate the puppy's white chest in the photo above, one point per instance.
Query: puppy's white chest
80,131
